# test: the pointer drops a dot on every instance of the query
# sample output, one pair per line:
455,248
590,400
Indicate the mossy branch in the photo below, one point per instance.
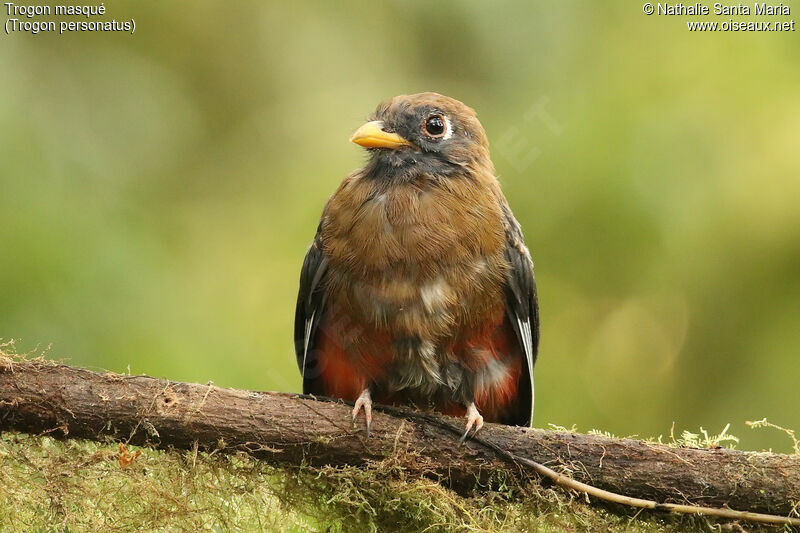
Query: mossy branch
288,429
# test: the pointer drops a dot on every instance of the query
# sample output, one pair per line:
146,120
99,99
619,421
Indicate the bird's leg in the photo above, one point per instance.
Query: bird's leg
365,401
474,418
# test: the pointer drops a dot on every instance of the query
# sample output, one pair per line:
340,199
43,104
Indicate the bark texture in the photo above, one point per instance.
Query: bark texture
287,429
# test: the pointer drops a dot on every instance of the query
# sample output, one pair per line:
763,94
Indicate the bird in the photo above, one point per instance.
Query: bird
418,289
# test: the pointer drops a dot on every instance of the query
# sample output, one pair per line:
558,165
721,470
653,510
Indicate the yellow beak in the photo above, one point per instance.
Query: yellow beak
371,135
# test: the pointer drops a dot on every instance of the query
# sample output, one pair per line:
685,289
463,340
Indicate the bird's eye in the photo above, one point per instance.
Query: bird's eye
436,126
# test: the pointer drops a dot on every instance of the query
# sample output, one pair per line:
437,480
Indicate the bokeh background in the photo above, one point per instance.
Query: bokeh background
158,191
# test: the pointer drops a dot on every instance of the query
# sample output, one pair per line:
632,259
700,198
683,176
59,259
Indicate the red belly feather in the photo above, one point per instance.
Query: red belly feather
345,375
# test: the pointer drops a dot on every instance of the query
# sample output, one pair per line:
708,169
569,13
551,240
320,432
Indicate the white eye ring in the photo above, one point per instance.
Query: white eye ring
448,129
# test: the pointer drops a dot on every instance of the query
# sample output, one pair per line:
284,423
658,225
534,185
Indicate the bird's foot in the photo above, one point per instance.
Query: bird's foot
474,418
365,401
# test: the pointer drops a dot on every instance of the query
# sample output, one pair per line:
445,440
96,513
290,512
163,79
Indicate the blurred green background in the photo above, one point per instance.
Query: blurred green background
158,191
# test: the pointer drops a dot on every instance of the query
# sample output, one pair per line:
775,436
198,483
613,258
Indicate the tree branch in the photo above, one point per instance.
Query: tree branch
287,429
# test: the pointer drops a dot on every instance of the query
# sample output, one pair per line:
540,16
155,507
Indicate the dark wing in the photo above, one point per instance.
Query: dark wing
522,308
308,314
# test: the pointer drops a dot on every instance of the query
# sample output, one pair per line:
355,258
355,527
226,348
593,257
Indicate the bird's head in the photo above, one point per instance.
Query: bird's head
423,134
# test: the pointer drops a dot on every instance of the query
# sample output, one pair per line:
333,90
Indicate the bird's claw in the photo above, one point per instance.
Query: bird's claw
474,418
365,401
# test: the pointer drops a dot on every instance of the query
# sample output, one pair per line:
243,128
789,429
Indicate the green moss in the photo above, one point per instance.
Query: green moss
50,485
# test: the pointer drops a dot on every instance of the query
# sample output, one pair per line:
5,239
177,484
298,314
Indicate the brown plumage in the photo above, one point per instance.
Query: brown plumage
418,288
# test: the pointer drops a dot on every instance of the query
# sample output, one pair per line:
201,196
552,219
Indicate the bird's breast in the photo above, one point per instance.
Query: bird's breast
417,260
371,225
